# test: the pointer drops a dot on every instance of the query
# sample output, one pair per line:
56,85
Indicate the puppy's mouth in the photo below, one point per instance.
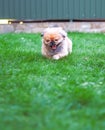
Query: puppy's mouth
53,45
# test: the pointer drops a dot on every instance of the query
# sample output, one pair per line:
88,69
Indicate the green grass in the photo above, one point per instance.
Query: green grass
41,94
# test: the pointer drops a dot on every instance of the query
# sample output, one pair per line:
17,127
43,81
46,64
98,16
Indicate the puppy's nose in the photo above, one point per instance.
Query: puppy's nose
52,43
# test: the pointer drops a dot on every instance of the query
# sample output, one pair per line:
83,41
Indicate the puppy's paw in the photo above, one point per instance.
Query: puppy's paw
56,57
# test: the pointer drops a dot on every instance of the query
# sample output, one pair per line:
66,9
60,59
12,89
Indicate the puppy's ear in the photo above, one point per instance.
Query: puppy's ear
63,33
42,34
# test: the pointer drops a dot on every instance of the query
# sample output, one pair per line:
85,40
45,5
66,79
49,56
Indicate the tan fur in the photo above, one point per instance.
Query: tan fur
58,35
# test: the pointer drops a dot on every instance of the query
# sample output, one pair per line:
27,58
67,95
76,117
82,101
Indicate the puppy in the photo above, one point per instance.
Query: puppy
55,43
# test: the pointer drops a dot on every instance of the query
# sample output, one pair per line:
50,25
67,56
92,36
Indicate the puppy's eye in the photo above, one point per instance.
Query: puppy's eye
56,40
47,40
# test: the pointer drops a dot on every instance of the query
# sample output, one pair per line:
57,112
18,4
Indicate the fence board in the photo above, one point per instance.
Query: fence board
52,9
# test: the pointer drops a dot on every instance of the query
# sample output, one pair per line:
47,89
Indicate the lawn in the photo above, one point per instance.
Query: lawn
41,94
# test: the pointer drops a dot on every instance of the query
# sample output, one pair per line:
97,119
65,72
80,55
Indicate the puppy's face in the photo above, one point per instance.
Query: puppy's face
52,39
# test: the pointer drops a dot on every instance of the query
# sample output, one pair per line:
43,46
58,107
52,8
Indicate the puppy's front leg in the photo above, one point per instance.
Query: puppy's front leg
58,56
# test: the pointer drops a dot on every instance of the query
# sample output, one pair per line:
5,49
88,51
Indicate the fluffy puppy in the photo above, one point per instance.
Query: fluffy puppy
55,43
